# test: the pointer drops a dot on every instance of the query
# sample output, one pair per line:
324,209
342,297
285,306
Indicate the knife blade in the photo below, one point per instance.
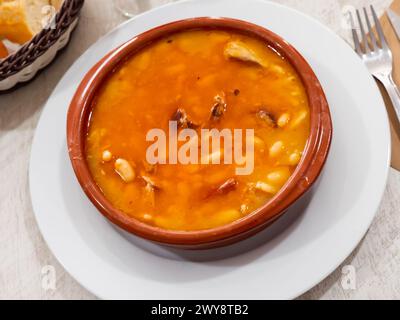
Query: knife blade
394,19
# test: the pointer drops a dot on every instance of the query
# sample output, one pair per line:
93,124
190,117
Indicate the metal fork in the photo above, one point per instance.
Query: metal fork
376,55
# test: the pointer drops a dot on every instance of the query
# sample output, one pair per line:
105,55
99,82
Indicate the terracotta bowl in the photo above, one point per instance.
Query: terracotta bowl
302,180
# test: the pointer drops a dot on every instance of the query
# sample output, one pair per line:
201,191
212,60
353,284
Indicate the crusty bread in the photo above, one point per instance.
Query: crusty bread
3,51
57,4
20,20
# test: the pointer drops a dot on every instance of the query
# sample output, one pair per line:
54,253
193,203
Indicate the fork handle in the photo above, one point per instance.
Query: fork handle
393,92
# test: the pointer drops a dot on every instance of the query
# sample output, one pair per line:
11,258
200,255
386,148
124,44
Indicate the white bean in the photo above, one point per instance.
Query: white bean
295,158
276,149
279,177
265,187
107,156
125,170
283,120
147,217
299,119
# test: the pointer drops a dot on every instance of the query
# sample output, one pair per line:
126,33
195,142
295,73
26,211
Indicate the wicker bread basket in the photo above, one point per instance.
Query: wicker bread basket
33,56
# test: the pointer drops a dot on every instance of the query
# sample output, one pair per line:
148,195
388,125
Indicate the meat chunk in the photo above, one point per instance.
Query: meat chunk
219,108
240,51
182,118
267,118
150,184
226,187
150,190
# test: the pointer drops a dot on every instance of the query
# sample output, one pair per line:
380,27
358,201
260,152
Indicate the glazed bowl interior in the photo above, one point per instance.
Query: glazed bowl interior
306,173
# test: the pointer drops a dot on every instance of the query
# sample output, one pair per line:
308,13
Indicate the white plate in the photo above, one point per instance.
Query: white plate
283,262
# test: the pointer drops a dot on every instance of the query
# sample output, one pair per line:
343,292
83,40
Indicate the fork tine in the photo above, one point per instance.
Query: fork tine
370,31
363,34
356,40
379,30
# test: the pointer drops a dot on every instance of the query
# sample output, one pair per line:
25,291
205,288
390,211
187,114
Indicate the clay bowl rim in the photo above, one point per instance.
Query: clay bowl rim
307,172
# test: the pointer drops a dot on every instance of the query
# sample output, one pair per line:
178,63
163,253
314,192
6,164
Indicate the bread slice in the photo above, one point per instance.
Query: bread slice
3,51
20,20
56,4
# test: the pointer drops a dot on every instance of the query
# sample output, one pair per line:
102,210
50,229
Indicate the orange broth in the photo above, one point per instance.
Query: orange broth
190,71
